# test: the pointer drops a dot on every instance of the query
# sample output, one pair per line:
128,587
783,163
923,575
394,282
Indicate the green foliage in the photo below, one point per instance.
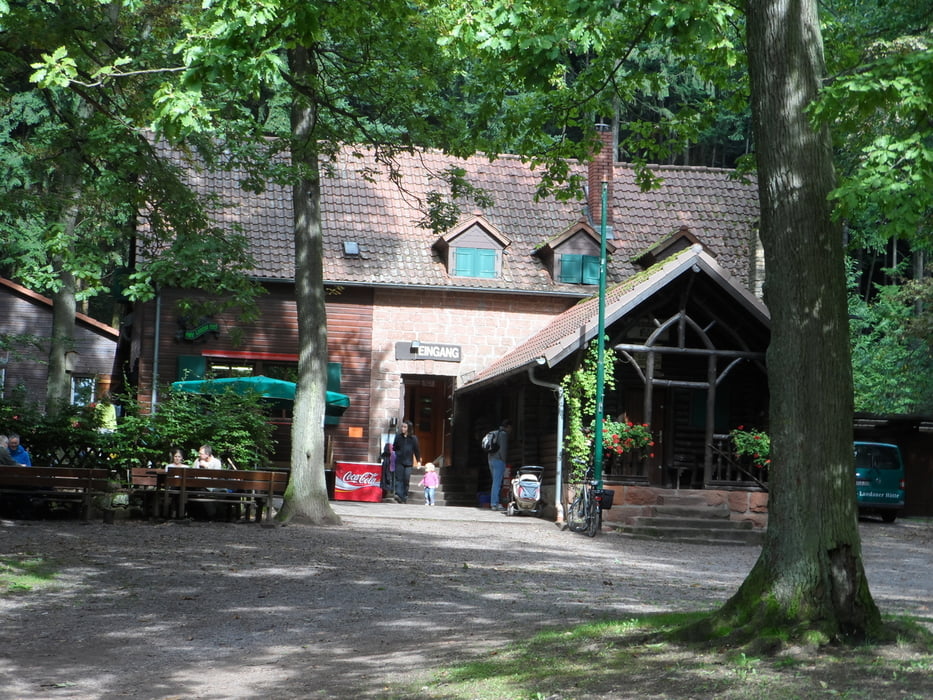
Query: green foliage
71,433
891,348
580,404
751,443
17,413
621,437
544,71
878,109
235,425
78,166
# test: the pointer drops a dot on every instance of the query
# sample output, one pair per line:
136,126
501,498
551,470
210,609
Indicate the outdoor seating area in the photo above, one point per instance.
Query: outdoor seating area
241,494
23,487
155,493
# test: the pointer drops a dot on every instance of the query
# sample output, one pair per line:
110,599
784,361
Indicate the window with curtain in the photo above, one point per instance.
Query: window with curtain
83,390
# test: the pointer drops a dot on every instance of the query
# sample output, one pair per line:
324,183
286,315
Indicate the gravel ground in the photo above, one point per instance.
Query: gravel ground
216,610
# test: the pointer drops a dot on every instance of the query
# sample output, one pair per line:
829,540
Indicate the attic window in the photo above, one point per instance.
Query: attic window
351,249
572,256
473,248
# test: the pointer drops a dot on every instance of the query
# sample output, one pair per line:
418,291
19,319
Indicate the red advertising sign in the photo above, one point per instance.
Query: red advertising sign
358,481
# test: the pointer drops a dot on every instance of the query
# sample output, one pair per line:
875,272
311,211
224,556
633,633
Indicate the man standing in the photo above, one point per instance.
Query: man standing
407,453
497,462
17,451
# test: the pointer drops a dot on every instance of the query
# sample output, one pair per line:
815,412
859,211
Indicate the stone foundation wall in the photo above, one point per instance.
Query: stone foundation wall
633,501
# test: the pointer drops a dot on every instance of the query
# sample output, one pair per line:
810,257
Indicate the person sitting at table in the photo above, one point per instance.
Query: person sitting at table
5,459
178,458
17,451
206,459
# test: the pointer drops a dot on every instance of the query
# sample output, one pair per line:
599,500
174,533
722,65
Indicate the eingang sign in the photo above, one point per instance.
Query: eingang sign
417,350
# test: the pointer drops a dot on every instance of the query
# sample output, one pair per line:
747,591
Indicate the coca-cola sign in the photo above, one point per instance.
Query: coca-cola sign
358,481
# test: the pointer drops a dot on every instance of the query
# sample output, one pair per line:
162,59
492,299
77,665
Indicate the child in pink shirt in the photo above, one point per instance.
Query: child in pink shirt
430,481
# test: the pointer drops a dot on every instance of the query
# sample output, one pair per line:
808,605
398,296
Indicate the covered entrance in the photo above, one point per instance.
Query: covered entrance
429,405
690,349
700,379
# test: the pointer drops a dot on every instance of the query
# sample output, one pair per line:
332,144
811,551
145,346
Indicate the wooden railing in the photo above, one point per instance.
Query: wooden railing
629,466
687,470
729,471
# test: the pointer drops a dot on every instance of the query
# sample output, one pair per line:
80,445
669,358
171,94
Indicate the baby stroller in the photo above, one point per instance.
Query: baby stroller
526,491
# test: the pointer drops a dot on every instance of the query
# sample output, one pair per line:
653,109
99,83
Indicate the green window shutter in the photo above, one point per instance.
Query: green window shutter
571,268
191,367
486,263
334,376
464,262
590,269
475,262
579,269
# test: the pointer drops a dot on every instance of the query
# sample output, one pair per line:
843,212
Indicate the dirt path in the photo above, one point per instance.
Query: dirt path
214,610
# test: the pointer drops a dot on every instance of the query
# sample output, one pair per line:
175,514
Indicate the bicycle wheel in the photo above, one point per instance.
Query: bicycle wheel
576,514
594,517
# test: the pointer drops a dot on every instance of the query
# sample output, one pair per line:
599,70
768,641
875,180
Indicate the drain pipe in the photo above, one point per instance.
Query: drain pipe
559,390
154,394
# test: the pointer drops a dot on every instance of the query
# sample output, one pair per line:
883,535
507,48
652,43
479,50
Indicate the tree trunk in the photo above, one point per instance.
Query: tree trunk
58,389
810,574
306,496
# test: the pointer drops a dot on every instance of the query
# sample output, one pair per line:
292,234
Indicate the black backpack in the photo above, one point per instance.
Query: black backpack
491,441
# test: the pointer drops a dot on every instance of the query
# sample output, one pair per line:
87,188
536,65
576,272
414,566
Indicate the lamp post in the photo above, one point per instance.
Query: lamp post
600,351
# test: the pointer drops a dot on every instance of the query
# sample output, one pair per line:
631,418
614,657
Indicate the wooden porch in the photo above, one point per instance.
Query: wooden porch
688,470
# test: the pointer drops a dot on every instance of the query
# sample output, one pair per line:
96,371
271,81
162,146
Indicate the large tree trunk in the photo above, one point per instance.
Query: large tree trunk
306,496
58,389
810,574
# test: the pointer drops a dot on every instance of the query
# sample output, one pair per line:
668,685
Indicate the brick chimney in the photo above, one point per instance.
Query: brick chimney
600,170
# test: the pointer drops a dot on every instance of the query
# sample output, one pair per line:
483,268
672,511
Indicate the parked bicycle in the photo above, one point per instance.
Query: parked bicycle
585,513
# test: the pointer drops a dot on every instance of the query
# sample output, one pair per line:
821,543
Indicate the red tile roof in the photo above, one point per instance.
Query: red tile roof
719,210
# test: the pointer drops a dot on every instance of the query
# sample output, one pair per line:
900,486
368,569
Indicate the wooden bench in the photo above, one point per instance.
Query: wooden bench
252,489
73,484
147,483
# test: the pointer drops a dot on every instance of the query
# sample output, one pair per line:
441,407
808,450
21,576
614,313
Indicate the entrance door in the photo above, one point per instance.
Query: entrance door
427,405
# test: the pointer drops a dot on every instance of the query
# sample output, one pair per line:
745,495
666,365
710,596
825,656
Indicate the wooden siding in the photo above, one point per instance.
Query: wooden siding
579,244
31,314
349,342
475,237
272,338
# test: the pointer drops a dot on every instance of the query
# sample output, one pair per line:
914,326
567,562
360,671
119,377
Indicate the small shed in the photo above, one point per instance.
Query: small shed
28,315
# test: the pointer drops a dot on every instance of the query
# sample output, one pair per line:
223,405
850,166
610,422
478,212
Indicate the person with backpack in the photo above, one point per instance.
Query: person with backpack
497,452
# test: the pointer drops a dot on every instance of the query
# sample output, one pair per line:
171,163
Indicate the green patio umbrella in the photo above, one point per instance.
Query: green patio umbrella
267,387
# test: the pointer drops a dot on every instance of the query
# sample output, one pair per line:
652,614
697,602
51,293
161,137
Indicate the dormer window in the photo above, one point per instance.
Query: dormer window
679,240
474,248
572,257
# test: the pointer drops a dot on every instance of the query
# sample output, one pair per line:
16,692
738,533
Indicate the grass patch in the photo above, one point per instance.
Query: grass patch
23,573
641,658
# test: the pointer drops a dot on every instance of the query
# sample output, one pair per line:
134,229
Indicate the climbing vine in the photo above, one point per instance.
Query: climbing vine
580,402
